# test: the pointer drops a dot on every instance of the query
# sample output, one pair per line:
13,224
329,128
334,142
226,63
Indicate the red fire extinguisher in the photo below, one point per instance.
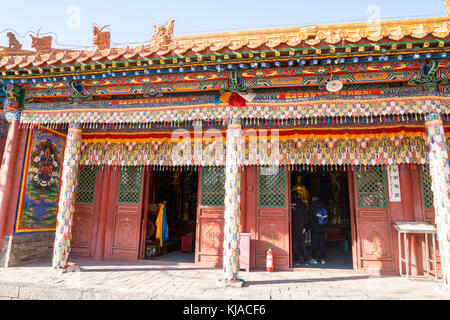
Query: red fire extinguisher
269,260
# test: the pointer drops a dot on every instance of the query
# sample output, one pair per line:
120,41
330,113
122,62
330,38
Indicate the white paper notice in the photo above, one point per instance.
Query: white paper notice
394,184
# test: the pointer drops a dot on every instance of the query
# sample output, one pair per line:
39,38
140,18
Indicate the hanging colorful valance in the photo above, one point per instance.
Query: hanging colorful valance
382,145
307,132
145,113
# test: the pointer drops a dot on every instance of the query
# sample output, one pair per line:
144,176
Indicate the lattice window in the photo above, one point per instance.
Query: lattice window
212,184
130,182
426,188
271,189
87,179
371,188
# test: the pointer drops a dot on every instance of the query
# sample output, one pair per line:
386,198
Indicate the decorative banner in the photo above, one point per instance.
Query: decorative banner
40,182
394,184
440,173
232,226
66,205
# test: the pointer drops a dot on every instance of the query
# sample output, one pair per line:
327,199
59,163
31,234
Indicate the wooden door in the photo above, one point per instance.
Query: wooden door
272,218
86,212
124,222
373,223
210,217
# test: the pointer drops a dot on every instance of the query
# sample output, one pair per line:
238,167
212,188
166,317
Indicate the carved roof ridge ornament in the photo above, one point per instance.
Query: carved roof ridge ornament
102,40
162,35
13,43
162,43
43,44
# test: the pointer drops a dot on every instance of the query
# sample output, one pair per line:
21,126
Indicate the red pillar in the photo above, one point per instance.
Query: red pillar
6,173
104,203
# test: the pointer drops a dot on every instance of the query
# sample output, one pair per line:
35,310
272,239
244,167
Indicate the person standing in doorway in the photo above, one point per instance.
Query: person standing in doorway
299,228
318,218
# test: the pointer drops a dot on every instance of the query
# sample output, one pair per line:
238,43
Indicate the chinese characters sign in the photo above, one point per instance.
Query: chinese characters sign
394,184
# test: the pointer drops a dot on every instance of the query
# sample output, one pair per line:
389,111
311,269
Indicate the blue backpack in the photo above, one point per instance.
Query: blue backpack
322,216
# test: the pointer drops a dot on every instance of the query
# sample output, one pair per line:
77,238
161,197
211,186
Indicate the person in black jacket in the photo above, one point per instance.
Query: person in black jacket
317,232
299,228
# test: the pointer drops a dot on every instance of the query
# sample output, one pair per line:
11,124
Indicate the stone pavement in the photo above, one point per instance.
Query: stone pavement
152,280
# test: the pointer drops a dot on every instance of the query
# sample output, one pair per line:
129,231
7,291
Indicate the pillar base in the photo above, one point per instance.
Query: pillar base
239,283
71,267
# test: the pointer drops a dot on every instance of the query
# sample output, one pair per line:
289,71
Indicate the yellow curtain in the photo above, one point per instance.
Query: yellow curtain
159,225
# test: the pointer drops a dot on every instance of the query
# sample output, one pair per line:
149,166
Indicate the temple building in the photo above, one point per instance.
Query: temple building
224,128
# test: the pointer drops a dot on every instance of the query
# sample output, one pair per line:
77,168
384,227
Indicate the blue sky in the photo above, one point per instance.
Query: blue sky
131,21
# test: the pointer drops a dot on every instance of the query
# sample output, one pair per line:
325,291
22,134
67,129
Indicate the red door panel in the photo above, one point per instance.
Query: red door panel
273,232
209,233
124,223
210,242
81,244
375,239
85,218
126,231
374,234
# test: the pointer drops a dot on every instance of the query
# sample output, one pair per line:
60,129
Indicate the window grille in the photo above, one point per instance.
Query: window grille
426,187
371,188
213,187
271,189
87,179
130,181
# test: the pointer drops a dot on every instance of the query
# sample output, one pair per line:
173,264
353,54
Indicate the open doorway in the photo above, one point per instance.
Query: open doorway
179,191
332,190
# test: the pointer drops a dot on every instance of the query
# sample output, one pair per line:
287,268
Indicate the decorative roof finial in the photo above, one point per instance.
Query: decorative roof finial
42,45
101,39
162,35
447,6
13,43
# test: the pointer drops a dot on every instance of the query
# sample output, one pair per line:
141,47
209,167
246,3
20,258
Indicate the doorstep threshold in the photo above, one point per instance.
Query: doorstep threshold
324,270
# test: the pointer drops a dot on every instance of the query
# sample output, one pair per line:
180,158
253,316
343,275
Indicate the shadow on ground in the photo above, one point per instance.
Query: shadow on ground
292,281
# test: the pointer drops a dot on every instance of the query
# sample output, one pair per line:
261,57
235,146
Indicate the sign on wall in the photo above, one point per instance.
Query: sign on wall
40,181
394,184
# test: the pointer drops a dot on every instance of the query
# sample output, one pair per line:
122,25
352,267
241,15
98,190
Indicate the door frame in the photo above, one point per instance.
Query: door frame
352,204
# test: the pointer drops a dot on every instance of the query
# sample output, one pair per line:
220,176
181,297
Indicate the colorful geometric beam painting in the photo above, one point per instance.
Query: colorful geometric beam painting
168,110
